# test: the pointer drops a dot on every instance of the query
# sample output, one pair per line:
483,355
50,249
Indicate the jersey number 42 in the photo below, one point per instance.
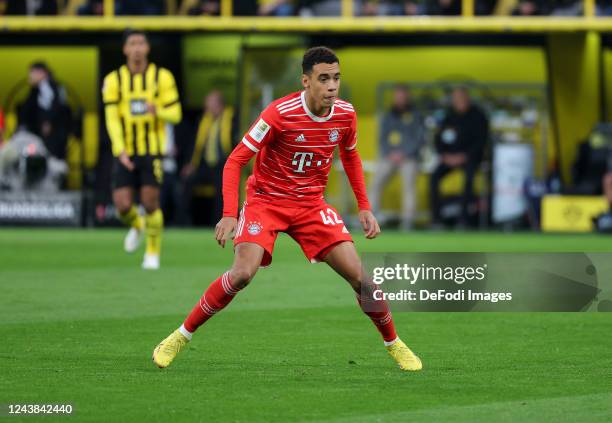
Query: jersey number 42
330,217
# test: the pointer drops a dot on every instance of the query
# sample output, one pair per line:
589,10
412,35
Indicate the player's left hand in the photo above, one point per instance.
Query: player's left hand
369,224
151,109
225,229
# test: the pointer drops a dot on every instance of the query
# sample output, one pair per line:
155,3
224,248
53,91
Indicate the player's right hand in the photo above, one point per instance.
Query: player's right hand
225,229
125,161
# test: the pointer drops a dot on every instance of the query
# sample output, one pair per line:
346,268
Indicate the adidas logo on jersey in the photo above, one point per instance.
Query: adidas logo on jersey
300,138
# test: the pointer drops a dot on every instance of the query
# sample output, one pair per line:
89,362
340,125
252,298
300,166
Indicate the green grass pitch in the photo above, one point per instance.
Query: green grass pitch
79,320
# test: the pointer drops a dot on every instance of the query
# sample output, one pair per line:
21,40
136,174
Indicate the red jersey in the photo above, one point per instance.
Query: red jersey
295,151
296,148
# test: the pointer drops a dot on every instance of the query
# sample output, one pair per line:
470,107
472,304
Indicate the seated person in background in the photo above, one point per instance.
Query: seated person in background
323,7
91,8
566,8
28,7
413,7
200,8
460,142
385,8
532,8
402,135
604,7
453,7
275,8
214,142
443,7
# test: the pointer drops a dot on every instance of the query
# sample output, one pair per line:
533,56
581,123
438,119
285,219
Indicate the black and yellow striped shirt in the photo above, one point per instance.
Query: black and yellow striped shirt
130,126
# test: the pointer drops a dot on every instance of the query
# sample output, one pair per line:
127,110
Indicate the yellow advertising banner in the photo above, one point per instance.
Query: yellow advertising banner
564,213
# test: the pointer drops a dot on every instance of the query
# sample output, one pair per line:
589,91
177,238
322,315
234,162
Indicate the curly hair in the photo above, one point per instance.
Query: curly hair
316,55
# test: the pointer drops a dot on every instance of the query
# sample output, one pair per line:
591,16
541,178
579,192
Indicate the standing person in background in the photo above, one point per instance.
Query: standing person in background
29,7
139,99
214,143
275,8
460,142
402,135
45,112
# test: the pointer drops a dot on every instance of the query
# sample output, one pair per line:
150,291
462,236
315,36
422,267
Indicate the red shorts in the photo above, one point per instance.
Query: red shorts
315,228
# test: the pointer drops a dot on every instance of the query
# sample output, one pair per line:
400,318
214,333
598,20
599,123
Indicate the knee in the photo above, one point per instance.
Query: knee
355,279
123,206
150,203
241,276
150,207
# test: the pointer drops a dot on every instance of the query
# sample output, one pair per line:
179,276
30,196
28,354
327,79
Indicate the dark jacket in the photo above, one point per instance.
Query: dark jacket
49,107
464,133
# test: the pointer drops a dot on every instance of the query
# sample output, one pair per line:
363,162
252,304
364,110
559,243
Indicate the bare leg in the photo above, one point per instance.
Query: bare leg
123,198
346,262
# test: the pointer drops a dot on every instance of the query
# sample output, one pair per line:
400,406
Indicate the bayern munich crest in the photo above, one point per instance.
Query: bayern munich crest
334,135
254,228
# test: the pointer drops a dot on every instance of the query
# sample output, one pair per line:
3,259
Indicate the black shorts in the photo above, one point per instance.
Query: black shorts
147,171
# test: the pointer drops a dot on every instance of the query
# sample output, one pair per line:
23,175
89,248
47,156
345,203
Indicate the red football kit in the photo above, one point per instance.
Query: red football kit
294,151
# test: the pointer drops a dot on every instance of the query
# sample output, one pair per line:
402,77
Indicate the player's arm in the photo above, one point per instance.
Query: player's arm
260,134
168,107
354,172
111,97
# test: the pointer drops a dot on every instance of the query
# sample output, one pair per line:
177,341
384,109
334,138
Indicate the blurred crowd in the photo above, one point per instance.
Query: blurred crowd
304,8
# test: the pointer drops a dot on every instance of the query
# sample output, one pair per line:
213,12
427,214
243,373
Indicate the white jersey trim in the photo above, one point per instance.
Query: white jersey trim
251,146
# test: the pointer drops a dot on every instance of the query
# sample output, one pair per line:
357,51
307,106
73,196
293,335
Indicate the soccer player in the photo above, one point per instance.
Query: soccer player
294,140
140,98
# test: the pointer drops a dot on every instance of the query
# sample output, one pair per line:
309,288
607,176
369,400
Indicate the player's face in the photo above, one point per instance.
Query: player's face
323,83
136,48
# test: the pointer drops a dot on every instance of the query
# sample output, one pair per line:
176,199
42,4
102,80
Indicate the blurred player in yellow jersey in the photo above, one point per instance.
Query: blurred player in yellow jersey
139,99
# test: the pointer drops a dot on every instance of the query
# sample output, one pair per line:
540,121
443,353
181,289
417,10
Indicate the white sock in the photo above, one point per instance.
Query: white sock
185,332
387,343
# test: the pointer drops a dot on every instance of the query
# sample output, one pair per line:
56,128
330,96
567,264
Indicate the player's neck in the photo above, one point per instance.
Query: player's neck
314,108
137,66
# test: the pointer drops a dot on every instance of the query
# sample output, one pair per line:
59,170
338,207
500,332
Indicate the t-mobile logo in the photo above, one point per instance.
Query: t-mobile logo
300,160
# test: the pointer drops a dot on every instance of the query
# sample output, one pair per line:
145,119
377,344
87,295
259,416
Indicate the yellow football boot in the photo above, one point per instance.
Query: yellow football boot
167,349
404,357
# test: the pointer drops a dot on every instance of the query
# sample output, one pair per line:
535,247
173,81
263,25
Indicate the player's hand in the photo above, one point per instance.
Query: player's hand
125,161
369,224
187,170
225,229
151,109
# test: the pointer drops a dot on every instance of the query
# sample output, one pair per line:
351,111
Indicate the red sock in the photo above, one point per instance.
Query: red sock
378,312
217,296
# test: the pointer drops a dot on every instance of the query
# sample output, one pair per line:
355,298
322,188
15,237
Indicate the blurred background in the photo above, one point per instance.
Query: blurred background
473,114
